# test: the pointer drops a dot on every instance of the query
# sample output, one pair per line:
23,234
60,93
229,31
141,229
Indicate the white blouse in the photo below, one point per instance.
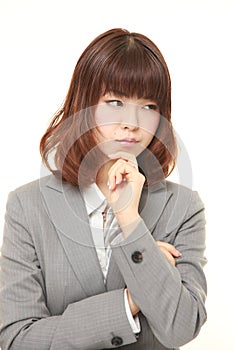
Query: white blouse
105,228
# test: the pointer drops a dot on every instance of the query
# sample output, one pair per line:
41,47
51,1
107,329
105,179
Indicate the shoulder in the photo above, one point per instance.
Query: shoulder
39,184
32,187
174,201
180,204
183,194
28,201
184,203
30,192
177,188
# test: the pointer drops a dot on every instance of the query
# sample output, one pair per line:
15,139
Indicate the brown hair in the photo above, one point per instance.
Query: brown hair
116,61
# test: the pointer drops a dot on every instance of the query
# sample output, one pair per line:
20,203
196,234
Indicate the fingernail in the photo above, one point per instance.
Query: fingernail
109,186
177,253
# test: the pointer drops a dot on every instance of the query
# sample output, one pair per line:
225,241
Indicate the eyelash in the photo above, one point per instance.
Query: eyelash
111,101
153,107
120,104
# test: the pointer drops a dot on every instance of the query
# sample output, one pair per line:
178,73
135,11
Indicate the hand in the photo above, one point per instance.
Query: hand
133,307
169,251
125,185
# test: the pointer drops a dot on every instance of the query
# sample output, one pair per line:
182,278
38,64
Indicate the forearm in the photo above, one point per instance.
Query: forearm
88,324
156,287
105,318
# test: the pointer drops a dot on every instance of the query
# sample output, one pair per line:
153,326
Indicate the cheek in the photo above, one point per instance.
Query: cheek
106,131
150,125
147,137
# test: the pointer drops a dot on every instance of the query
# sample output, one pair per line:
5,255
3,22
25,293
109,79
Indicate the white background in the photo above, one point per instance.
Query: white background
40,44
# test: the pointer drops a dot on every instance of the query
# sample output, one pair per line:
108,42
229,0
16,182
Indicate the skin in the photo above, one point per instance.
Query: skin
126,127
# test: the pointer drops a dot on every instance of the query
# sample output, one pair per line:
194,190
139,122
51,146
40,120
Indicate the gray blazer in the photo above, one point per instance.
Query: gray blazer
53,295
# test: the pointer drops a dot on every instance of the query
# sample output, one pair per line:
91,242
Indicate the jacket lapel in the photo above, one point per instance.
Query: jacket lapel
67,211
152,204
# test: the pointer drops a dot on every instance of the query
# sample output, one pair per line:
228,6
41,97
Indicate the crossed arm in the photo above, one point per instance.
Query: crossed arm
171,298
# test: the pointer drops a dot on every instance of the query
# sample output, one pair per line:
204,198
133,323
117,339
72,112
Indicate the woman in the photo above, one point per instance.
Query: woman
104,252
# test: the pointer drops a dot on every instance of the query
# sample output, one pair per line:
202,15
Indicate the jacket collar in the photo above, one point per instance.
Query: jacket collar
93,198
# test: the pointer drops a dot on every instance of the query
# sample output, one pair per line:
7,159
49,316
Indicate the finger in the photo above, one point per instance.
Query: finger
125,156
168,256
115,174
120,171
170,248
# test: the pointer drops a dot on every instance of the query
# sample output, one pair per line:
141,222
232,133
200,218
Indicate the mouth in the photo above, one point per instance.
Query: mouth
129,142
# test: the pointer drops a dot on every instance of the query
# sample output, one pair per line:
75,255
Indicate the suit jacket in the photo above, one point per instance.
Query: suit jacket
53,294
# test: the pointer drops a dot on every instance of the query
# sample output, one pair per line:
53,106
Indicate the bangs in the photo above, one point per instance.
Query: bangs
135,72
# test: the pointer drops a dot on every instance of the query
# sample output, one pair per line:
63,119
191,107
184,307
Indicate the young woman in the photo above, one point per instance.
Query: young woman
104,252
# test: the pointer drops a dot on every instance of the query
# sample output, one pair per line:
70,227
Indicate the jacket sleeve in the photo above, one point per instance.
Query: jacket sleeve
170,297
26,323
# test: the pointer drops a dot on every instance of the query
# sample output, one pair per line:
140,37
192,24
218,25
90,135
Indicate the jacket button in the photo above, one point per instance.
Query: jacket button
116,341
137,257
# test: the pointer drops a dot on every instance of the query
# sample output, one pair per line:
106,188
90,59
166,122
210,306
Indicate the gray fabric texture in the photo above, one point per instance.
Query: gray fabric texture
52,291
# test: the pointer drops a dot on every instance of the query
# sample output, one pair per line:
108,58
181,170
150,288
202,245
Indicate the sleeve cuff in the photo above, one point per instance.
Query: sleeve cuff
133,321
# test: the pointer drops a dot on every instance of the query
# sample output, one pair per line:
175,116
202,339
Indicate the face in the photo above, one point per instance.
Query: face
124,124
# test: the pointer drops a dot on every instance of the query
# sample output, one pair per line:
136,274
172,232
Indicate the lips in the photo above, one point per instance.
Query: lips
128,142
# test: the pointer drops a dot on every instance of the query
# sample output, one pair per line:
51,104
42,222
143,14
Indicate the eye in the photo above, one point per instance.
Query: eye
114,103
152,107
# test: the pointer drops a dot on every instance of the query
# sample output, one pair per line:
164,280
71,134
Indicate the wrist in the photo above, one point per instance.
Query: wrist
133,307
128,223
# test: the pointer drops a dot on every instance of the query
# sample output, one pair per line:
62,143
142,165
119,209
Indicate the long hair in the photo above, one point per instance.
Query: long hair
115,61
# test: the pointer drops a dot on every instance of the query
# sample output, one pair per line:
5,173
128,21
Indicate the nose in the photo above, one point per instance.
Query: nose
130,118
